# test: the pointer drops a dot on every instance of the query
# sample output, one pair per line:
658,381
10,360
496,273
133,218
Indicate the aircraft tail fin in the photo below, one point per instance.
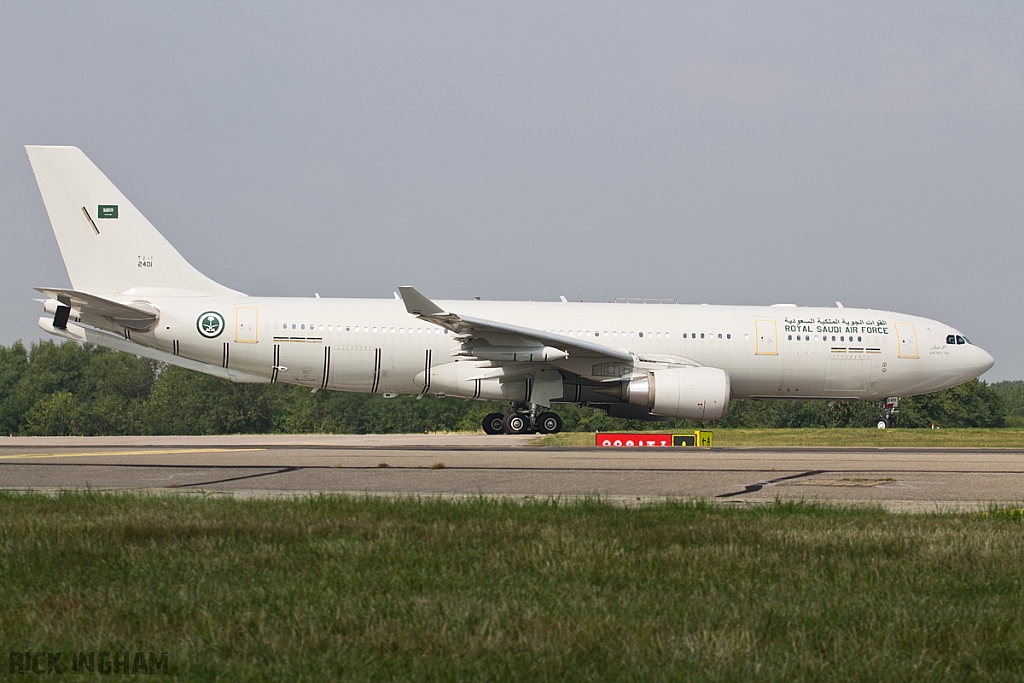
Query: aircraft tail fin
108,246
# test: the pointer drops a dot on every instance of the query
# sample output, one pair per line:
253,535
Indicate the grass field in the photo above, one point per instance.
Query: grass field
841,438
484,590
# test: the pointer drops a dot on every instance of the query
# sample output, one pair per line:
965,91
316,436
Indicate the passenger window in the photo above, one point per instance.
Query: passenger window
701,335
790,337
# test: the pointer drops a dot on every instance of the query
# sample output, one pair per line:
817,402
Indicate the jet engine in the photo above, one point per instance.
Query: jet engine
695,393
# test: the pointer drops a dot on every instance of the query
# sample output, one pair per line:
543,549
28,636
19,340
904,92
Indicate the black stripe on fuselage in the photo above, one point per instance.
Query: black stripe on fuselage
426,373
376,371
327,367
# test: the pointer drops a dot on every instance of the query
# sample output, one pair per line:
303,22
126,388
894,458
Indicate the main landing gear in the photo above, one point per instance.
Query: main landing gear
519,421
889,407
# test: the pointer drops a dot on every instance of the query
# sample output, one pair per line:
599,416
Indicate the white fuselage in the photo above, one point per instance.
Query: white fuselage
375,345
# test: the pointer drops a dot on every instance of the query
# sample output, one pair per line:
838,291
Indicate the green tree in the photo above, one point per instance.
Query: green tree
13,405
972,404
187,402
1012,395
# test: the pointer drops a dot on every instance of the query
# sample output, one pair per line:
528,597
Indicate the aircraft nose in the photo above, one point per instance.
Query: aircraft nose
980,361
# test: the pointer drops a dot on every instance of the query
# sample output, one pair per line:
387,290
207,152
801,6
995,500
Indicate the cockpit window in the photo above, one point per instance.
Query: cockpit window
951,339
960,340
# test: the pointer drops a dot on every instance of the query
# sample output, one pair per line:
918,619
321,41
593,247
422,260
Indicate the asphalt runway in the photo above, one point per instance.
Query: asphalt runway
473,465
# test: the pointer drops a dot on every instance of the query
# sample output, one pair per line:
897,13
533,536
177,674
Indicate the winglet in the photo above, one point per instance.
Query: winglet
417,304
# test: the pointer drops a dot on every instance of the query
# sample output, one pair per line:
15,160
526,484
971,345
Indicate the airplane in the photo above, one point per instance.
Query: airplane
132,291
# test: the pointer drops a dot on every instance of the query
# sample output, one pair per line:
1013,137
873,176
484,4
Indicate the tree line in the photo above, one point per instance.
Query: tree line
51,389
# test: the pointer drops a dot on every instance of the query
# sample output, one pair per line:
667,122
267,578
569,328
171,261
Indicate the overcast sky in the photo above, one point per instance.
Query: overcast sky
869,152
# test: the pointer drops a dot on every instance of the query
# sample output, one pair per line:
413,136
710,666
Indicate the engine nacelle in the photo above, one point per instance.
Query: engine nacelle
692,393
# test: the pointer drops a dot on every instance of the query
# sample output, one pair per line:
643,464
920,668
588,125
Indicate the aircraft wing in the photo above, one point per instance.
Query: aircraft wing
507,338
136,316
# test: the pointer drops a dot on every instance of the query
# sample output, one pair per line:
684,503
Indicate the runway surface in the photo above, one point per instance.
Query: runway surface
471,465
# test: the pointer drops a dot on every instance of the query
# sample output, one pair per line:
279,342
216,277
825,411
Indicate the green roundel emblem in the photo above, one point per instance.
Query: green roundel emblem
210,324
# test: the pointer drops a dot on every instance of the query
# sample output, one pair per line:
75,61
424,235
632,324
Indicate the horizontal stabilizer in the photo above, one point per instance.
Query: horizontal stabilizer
111,341
137,315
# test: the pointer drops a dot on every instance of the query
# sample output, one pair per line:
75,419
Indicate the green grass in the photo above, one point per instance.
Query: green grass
871,438
484,590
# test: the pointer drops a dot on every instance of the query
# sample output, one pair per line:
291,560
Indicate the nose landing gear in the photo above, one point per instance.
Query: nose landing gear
519,421
889,407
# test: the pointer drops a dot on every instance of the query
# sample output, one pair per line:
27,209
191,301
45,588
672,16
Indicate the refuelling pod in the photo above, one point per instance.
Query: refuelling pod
692,393
516,354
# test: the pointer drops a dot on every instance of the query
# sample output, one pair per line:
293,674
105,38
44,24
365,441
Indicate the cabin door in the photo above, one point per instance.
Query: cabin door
908,340
767,338
246,324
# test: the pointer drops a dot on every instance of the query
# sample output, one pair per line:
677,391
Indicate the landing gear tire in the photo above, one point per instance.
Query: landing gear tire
514,423
493,423
889,407
549,423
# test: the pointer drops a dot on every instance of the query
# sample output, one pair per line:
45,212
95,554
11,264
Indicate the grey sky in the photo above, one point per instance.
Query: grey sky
720,153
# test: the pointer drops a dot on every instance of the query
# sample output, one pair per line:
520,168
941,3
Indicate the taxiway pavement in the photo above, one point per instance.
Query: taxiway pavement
471,465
